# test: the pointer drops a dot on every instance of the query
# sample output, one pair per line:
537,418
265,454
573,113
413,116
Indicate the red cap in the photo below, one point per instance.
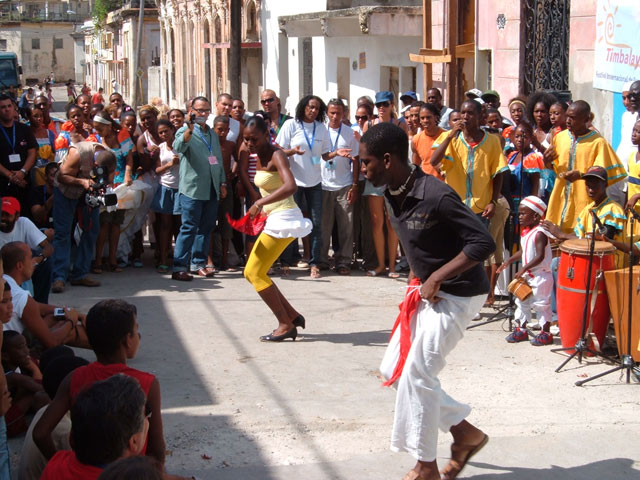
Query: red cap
11,205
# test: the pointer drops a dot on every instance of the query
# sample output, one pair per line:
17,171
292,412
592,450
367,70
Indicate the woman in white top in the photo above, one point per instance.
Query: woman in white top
306,140
165,203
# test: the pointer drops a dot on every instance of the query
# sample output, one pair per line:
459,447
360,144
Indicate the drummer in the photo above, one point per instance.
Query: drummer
611,215
536,257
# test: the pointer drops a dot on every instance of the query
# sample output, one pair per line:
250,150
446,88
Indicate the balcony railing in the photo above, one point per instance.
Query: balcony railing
39,12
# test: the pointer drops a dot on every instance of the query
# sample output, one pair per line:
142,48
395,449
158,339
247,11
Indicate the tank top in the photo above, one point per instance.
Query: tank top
87,152
94,372
269,182
170,178
253,161
528,245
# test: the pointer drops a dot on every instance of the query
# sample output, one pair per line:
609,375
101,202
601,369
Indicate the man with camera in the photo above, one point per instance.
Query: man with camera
48,324
72,183
202,182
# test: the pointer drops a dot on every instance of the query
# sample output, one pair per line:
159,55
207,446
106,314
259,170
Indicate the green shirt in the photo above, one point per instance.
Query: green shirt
197,173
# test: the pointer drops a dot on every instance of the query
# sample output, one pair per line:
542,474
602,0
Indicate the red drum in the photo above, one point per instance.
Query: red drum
572,283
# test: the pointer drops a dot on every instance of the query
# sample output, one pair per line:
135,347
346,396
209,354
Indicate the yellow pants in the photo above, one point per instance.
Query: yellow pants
265,251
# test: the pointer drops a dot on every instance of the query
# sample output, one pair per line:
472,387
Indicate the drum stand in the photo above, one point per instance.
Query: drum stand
508,311
582,345
626,360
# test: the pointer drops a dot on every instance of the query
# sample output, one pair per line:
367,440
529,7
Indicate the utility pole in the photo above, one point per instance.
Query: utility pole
235,53
137,79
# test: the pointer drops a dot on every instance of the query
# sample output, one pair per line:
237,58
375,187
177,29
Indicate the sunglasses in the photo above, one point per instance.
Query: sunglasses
362,117
383,104
267,100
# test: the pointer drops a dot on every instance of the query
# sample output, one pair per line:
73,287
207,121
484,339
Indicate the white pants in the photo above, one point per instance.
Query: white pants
421,405
540,300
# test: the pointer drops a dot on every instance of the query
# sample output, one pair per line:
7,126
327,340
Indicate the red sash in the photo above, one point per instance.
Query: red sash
408,308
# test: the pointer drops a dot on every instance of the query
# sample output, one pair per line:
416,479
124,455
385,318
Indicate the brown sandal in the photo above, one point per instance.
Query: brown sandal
458,465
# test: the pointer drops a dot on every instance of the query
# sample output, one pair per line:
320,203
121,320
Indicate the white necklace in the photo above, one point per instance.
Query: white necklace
403,187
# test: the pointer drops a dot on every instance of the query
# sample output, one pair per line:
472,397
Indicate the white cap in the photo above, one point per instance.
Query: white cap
474,92
535,204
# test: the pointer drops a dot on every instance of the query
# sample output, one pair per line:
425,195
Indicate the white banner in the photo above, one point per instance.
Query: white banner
617,44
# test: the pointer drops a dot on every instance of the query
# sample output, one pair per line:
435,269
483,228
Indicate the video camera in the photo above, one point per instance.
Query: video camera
97,195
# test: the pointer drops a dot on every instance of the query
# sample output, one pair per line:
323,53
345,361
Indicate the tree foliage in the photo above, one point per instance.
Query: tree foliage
101,9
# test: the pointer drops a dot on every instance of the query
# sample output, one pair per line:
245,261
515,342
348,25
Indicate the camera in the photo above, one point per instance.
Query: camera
192,118
59,313
97,195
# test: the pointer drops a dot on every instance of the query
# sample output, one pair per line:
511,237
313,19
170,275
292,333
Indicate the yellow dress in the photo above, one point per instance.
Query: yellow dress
269,182
569,198
470,170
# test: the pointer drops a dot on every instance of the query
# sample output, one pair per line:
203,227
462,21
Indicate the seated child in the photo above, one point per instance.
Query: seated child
535,254
112,330
108,422
32,462
24,380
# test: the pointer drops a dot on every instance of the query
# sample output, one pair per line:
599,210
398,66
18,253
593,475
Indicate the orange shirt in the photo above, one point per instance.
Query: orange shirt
424,145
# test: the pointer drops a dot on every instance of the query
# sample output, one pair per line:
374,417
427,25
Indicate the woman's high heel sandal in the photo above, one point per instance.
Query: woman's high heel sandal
299,321
292,334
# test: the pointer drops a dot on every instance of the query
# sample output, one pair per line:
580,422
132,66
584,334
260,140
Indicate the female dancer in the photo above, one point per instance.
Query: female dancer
117,139
284,223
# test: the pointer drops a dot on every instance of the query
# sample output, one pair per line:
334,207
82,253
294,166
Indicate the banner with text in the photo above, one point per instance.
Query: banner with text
617,48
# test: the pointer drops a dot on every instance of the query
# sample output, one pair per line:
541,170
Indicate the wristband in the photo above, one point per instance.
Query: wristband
24,171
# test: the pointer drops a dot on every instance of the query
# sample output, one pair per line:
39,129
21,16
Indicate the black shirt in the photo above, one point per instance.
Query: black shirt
434,226
24,140
39,196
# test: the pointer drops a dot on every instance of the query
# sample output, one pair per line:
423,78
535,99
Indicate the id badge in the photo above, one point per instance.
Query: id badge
315,160
213,160
14,158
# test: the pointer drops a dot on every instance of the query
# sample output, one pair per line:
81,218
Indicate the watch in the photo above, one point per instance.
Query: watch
24,171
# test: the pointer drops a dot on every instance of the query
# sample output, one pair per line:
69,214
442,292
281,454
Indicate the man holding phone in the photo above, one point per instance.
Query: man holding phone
202,183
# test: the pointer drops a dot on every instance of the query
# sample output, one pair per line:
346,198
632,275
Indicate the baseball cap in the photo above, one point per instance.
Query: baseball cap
410,94
473,93
596,172
385,96
11,205
490,93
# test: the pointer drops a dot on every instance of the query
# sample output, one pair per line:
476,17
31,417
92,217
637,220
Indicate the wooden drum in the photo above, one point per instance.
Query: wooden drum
572,285
520,288
617,286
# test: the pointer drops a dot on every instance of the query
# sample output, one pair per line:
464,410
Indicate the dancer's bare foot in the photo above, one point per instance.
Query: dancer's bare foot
467,441
423,471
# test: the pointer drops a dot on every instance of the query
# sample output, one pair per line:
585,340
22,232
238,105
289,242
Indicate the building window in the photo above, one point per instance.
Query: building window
58,43
3,45
35,44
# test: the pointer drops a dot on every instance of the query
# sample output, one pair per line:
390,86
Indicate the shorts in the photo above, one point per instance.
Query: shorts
166,201
112,218
225,206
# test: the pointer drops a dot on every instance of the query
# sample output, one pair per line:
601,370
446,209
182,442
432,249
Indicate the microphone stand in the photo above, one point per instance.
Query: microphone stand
626,360
582,346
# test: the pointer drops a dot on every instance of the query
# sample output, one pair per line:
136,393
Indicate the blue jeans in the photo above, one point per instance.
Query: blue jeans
5,470
312,198
198,221
64,210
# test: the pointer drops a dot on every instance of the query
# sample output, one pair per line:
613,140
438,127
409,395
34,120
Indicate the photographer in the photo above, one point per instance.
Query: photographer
201,183
70,186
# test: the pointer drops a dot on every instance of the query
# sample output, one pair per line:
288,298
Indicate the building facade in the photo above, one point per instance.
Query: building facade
111,50
195,50
341,48
41,34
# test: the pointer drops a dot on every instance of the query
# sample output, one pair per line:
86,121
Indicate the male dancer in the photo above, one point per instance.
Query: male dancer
446,245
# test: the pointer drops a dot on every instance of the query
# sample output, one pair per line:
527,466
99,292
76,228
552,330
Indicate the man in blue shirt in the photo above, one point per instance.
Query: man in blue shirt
202,183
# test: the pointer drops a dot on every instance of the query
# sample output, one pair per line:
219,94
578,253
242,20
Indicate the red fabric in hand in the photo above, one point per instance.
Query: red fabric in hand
248,225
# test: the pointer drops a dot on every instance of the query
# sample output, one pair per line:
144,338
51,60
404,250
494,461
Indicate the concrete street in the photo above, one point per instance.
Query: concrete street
234,407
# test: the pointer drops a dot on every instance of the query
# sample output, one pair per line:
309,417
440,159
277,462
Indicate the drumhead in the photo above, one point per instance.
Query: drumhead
581,246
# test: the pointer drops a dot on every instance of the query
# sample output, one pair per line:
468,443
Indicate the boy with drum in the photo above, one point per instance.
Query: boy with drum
535,254
610,215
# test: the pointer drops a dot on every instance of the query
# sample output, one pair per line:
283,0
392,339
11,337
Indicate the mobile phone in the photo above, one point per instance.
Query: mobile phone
59,313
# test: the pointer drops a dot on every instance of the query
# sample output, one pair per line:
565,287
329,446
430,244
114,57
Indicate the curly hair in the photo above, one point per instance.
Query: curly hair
302,104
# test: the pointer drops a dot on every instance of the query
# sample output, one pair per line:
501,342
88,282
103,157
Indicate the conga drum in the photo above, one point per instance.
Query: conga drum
572,285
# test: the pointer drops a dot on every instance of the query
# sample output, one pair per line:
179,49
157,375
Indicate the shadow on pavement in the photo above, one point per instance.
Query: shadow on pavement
373,338
610,469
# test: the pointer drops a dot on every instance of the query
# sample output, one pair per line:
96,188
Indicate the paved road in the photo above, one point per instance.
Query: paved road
237,408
